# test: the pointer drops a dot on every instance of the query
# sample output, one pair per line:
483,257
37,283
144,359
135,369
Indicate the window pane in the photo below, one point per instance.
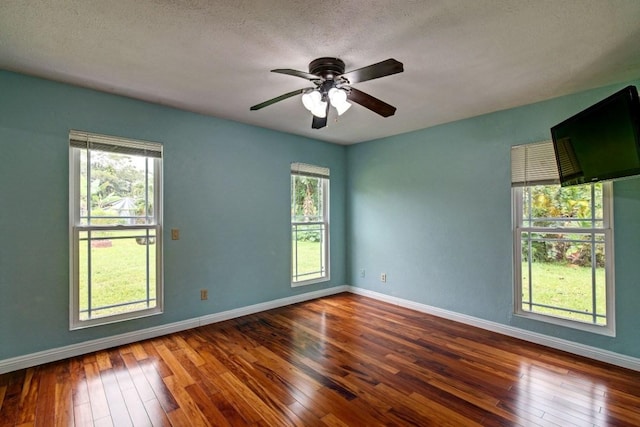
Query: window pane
601,284
562,203
308,252
306,200
121,188
564,286
116,272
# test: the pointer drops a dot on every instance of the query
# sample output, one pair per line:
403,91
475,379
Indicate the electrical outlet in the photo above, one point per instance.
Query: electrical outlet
204,294
175,234
383,277
362,272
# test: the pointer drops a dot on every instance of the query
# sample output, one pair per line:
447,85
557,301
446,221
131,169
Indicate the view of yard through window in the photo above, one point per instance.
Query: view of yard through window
562,234
119,272
565,285
307,256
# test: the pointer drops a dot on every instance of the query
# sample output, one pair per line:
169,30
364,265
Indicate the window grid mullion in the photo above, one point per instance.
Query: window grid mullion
594,265
88,207
530,250
89,274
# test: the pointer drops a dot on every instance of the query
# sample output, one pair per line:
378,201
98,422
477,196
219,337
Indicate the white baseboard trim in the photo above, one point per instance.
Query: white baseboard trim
534,337
52,355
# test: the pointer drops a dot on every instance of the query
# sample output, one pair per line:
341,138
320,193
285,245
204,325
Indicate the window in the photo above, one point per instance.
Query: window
563,244
115,229
309,224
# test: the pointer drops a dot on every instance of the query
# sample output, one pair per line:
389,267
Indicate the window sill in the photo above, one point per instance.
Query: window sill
310,282
607,330
84,324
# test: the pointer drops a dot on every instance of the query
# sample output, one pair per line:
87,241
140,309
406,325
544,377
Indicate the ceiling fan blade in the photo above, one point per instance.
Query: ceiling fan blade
381,69
279,98
296,73
318,122
370,102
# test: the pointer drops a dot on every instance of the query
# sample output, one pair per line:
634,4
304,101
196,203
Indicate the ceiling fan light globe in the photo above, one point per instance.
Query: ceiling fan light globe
320,110
338,98
341,108
307,101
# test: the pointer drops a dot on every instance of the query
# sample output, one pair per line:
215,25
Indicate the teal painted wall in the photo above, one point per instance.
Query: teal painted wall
432,209
226,187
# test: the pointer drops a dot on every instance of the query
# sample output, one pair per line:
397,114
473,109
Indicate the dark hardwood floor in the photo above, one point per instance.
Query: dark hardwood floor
344,360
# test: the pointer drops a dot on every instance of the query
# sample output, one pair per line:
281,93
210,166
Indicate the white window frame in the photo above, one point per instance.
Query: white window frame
323,174
76,227
534,164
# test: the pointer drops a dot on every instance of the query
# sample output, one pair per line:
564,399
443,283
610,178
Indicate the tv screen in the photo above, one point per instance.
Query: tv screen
601,142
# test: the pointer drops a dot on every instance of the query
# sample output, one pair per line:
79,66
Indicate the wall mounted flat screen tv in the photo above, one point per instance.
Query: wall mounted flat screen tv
601,142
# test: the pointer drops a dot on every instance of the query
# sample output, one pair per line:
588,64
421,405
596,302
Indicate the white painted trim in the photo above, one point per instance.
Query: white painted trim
534,337
52,355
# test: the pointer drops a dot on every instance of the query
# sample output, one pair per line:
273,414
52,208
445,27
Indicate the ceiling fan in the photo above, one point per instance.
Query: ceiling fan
332,86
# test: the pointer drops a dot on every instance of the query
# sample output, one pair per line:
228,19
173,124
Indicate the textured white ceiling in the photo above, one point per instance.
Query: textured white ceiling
461,57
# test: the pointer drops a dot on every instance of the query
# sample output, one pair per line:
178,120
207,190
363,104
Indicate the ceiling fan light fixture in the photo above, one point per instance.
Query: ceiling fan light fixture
313,102
308,99
338,98
320,109
333,87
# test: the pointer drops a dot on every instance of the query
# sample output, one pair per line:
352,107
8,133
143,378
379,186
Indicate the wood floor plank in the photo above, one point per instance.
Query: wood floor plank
135,407
104,422
3,392
29,397
46,403
138,351
115,400
343,360
206,406
265,411
78,381
63,397
179,372
138,378
187,406
97,396
156,414
160,390
82,414
103,360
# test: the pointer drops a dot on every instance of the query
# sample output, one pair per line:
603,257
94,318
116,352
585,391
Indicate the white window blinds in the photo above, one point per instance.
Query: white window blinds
79,139
534,164
309,170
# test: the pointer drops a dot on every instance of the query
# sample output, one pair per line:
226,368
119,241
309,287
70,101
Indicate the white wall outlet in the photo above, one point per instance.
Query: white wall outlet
383,277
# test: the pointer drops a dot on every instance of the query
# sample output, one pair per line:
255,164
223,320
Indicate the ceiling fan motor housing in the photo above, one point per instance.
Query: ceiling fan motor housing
327,68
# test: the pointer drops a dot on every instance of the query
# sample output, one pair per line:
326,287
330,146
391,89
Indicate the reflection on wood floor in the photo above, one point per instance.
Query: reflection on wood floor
336,361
